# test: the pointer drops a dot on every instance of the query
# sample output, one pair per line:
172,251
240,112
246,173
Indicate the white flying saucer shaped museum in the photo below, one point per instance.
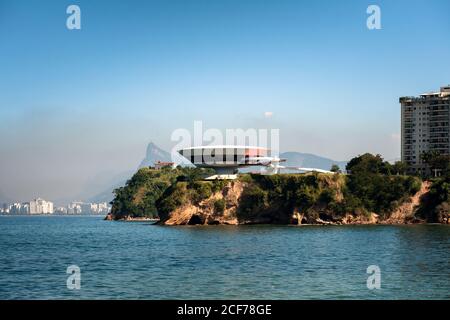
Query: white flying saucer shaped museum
226,159
225,156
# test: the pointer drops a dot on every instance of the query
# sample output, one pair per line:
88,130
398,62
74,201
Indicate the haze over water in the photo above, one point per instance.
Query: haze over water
121,260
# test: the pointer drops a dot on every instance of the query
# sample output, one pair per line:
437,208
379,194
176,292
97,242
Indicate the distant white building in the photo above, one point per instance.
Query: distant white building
103,208
40,206
74,207
4,209
61,210
19,208
86,208
79,207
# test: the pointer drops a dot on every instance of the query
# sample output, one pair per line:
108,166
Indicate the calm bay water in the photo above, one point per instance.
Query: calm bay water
131,260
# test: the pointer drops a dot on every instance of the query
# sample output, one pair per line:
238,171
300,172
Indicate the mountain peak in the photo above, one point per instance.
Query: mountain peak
154,154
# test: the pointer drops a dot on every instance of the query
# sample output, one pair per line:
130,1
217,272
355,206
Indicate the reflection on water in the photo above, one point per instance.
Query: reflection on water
145,261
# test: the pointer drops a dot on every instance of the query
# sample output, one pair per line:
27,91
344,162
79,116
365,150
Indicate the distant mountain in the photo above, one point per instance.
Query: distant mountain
107,194
154,154
308,160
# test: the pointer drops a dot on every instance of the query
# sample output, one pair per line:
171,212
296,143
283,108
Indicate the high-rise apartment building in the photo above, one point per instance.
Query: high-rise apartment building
425,126
40,206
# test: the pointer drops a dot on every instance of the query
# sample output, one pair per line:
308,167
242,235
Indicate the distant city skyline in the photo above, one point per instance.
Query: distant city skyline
78,107
41,206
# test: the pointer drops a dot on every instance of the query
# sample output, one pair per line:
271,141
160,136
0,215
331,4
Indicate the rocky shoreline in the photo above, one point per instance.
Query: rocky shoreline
205,213
110,217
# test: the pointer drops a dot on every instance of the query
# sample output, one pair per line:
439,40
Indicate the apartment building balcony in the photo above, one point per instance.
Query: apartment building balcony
439,130
442,148
441,134
439,124
439,118
439,109
439,140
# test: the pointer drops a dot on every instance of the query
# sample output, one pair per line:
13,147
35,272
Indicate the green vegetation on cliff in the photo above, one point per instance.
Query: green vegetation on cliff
273,198
182,192
328,197
372,187
376,186
138,197
435,207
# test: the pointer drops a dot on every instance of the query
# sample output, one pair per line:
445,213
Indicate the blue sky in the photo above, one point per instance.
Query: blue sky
79,103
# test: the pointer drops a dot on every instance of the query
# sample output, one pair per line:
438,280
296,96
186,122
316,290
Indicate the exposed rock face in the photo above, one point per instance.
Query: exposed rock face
205,212
371,218
405,213
444,213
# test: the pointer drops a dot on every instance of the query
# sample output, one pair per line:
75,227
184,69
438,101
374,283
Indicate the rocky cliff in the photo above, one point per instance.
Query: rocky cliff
207,211
317,199
374,192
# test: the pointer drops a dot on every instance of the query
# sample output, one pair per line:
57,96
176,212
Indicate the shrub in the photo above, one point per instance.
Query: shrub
305,197
327,196
137,198
173,197
218,185
335,168
253,199
201,190
219,206
434,206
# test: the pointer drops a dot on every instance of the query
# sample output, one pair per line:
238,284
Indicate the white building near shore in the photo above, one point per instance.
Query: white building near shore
19,208
79,207
40,206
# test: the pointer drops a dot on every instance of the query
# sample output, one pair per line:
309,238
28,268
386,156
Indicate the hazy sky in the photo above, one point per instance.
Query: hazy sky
78,106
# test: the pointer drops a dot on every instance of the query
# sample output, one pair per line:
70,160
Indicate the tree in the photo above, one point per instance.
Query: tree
219,206
399,167
434,207
368,163
436,161
335,168
428,156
